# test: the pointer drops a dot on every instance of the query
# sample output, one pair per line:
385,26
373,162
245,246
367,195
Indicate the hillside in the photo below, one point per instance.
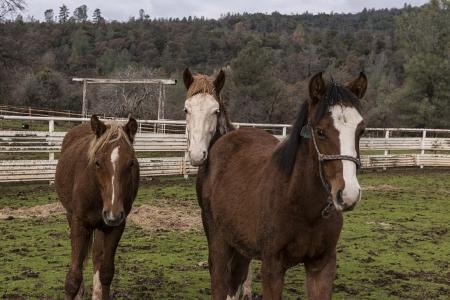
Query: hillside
269,59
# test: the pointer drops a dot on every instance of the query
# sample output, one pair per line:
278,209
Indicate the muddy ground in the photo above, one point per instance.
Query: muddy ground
395,245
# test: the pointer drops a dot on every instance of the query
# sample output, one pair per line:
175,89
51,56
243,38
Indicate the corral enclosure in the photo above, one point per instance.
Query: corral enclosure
394,245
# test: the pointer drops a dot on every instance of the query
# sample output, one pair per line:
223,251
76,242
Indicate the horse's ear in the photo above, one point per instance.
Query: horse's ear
130,129
316,88
187,78
358,86
97,126
219,81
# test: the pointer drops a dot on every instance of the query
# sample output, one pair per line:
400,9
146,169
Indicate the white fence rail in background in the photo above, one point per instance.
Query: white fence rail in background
381,147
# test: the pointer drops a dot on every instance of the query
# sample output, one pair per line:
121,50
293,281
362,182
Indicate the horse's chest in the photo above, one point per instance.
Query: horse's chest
309,244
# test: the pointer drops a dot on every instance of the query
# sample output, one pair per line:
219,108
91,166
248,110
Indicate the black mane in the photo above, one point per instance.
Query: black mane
335,93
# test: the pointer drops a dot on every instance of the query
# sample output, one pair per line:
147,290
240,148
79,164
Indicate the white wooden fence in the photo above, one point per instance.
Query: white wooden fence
381,147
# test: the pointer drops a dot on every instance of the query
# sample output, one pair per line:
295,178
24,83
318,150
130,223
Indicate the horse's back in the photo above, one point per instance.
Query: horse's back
72,161
76,135
249,142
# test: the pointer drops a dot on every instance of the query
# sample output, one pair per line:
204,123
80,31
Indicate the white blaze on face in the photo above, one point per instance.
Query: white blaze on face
201,123
114,159
346,120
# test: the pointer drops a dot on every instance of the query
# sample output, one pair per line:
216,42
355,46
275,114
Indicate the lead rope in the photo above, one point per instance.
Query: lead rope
329,208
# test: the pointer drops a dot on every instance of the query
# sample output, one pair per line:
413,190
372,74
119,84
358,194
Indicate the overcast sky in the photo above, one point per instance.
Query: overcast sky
123,10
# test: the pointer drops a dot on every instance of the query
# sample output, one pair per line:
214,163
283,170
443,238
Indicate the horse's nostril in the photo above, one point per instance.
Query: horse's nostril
122,215
105,215
339,199
204,154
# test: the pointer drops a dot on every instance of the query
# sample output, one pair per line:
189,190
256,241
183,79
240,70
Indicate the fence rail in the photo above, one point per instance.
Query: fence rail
381,147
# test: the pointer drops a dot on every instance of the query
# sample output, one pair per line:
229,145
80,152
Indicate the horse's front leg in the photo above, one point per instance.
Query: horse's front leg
320,275
80,237
273,272
104,260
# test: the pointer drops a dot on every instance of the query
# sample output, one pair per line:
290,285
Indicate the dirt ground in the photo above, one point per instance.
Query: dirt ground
150,218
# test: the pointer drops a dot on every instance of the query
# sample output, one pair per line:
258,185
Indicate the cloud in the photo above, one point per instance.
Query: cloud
123,10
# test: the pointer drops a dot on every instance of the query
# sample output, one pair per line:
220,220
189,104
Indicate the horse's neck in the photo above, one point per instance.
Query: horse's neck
305,185
222,128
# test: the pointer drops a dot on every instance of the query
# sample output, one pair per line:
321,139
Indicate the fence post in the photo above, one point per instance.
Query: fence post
386,151
284,131
51,130
186,156
422,145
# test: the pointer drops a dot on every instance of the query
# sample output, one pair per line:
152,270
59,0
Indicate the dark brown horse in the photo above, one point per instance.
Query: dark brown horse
282,203
97,179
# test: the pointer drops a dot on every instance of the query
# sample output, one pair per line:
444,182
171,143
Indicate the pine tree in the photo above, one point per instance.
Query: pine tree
63,14
97,16
48,15
80,14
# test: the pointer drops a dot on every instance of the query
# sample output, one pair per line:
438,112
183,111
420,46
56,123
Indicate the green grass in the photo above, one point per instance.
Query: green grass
395,245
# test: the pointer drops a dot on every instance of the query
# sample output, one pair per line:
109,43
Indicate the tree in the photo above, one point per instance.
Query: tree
48,15
80,14
141,15
256,89
11,6
137,100
424,98
43,89
63,14
97,16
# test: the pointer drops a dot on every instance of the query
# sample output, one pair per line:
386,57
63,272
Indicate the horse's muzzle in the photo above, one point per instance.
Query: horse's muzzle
111,219
345,204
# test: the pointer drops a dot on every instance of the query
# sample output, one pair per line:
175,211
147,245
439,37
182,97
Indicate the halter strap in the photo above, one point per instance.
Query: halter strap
326,212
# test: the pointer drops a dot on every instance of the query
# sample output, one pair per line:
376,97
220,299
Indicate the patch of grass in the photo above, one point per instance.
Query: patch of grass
163,191
26,195
395,245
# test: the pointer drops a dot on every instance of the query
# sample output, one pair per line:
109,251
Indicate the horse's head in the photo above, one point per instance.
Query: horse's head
112,155
204,113
335,127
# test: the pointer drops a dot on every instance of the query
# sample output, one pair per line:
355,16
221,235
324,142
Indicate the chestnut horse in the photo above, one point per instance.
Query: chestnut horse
97,179
282,203
206,121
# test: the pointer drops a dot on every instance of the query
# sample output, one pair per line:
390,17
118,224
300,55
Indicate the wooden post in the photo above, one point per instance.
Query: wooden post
160,105
422,145
284,131
84,108
386,152
51,129
186,156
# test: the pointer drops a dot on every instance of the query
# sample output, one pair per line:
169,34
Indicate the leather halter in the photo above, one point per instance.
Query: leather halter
327,157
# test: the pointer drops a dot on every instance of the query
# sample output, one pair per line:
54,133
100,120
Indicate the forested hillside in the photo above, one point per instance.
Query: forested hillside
268,58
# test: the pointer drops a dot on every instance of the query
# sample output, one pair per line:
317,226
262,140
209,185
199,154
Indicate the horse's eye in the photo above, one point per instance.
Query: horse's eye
131,163
97,163
321,134
217,111
185,110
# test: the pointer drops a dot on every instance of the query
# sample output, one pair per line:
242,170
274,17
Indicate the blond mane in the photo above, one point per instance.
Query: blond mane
114,132
201,84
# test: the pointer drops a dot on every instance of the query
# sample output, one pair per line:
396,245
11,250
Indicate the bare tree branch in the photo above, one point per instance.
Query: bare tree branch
11,6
